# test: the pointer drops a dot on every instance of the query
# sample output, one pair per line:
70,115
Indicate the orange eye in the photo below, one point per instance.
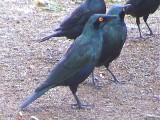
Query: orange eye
100,19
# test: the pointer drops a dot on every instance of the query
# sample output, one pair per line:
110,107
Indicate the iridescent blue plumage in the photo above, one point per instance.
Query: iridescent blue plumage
142,8
78,62
73,25
114,35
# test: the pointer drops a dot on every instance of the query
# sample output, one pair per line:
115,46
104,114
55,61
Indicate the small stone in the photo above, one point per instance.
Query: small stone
157,96
20,113
34,118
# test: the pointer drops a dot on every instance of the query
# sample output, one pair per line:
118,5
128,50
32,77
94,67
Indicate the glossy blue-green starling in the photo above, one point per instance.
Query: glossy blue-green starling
78,62
73,25
114,35
142,8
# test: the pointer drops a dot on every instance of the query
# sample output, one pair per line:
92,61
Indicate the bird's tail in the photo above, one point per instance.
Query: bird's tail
33,97
48,37
58,33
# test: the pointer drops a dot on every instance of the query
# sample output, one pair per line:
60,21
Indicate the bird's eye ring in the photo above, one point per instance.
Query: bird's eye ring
100,19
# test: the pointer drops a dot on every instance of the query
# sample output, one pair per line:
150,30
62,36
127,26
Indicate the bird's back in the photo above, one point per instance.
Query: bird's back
77,63
73,25
143,7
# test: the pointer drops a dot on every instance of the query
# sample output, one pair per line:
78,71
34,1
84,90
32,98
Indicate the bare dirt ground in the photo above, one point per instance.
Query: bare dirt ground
25,63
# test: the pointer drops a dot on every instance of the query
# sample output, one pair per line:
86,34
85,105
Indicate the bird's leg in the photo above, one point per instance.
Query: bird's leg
95,81
115,79
145,20
138,23
79,105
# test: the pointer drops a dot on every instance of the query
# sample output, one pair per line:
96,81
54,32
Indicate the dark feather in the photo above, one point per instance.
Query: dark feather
73,25
142,8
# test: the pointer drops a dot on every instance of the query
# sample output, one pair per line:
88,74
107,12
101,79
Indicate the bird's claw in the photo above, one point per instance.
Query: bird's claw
140,37
96,79
151,34
81,106
96,83
97,86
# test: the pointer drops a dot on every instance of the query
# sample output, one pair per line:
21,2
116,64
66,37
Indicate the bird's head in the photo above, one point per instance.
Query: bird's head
97,21
119,10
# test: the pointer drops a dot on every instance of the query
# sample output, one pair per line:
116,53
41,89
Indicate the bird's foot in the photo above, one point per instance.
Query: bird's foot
96,79
96,83
81,106
140,37
97,86
151,34
117,81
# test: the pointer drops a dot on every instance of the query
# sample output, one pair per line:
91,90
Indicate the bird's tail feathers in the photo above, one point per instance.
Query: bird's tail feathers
48,37
33,97
56,34
57,29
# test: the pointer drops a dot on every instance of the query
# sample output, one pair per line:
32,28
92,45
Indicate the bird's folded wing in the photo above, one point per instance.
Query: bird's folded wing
67,67
75,18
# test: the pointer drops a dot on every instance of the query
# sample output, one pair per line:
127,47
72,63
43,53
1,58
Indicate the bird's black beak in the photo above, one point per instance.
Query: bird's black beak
108,18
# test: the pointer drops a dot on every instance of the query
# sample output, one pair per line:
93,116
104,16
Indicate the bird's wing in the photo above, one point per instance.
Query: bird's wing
76,17
73,61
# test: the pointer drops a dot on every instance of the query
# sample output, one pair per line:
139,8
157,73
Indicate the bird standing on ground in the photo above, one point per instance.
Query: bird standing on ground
73,25
142,8
114,35
78,62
